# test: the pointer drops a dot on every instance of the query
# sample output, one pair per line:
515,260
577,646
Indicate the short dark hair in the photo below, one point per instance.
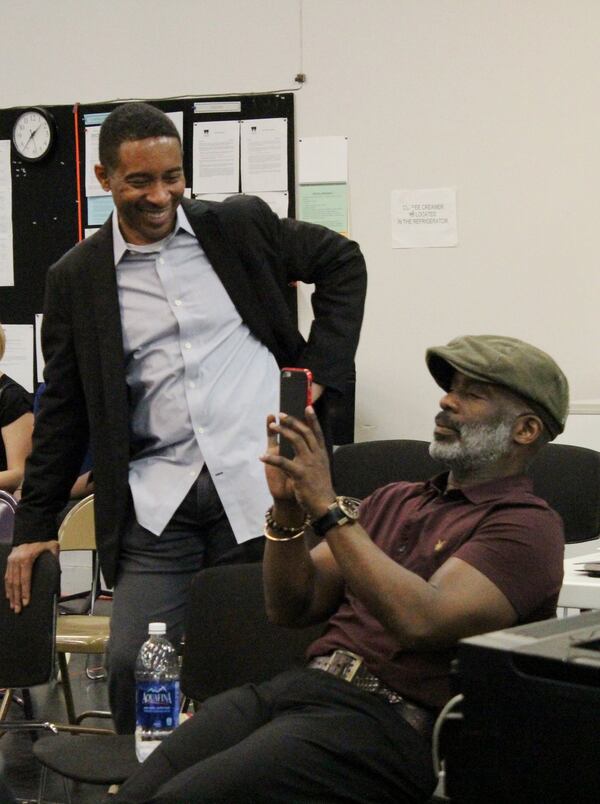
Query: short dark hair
131,121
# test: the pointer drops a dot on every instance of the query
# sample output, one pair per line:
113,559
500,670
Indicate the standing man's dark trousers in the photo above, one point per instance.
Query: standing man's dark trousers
152,584
304,738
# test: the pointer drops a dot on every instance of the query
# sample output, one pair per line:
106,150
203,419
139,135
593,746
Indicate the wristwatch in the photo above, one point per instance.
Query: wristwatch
340,512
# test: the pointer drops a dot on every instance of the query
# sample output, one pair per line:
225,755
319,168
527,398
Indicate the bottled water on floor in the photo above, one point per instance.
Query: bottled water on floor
157,691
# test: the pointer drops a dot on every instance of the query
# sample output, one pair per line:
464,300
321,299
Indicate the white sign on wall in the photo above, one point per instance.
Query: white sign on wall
424,218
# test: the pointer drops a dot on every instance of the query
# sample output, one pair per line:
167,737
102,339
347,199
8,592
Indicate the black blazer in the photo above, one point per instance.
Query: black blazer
256,256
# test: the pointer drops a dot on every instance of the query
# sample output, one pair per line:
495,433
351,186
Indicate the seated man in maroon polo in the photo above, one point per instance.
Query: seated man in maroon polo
400,579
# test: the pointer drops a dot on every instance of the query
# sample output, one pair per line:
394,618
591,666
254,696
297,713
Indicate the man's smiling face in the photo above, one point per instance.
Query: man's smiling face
147,186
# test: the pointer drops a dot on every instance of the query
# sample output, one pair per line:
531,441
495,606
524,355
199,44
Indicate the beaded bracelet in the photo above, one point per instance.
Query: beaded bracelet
276,528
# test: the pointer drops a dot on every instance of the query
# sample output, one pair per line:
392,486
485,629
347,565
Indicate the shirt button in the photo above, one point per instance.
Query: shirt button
191,384
177,302
402,548
187,345
200,430
161,261
192,473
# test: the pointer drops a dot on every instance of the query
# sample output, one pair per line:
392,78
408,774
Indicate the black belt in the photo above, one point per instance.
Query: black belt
351,668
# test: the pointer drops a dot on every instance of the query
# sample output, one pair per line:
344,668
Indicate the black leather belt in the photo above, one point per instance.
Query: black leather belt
351,668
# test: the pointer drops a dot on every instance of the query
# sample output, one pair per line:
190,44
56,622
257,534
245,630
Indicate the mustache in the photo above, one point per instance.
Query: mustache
444,420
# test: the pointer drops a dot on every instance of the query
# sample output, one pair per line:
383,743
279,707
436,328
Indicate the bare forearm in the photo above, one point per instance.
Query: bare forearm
11,479
16,438
302,586
288,574
82,486
402,601
288,570
457,601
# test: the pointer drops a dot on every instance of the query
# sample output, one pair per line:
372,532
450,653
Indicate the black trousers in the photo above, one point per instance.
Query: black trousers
304,736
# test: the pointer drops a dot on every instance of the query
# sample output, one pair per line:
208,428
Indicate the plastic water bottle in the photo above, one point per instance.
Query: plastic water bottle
157,691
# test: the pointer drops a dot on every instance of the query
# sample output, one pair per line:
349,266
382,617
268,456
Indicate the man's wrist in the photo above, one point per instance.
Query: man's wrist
277,531
342,511
288,513
320,509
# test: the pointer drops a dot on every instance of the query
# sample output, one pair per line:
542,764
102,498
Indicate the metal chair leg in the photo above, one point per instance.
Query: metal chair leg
27,704
93,713
66,682
98,672
5,704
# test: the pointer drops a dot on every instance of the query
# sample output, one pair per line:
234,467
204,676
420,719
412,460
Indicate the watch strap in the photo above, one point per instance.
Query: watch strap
334,516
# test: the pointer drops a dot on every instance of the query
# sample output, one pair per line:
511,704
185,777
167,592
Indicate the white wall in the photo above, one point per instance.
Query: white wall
495,97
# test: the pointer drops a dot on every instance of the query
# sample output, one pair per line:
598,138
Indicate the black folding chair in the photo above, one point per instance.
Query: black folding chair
27,638
27,643
8,506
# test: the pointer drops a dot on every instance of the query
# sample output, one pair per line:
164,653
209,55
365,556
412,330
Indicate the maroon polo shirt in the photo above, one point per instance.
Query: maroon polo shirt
499,527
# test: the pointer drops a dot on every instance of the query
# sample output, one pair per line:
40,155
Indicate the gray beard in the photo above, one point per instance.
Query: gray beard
479,446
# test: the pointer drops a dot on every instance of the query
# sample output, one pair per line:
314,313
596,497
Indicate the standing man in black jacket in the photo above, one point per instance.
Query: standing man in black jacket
163,336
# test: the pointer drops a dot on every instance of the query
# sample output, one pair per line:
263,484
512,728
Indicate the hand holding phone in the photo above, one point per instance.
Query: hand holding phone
295,394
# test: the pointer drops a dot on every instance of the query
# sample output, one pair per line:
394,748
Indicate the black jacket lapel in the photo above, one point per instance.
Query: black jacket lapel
101,274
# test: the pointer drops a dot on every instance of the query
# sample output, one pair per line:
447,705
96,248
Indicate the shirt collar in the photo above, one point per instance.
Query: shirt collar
487,491
119,244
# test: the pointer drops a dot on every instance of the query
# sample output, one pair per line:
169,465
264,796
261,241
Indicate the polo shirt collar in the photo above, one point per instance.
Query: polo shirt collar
119,244
487,491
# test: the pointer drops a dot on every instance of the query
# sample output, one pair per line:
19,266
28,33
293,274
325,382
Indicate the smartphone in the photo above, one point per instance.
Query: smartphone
295,393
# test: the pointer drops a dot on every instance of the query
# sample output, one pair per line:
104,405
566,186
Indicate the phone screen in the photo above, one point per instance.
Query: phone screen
295,394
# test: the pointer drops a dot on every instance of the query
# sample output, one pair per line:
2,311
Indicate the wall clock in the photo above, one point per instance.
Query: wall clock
34,133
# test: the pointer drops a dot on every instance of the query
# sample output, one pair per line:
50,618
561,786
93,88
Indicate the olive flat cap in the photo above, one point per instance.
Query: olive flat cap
524,369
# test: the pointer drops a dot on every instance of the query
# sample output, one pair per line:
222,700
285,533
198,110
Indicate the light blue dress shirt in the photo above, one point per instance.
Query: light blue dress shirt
200,384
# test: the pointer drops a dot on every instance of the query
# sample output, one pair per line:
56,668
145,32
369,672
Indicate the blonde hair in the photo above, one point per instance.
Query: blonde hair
2,341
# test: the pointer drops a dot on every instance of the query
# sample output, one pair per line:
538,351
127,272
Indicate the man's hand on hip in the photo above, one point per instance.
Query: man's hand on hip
19,565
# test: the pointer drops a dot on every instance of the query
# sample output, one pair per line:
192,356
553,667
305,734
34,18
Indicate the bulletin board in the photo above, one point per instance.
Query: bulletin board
49,200
50,210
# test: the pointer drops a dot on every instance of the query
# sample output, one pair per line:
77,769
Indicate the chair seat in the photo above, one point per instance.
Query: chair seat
82,633
105,760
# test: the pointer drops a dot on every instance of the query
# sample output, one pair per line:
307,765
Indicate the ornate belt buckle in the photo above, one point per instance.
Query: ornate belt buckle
344,664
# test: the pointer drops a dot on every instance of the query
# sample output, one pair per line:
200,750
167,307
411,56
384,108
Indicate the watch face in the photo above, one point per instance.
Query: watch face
350,506
33,134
